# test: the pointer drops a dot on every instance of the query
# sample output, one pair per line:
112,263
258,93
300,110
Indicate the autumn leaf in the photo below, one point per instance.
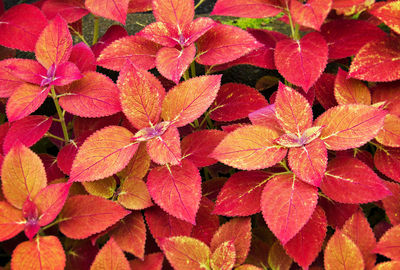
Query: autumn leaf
152,261
207,223
175,12
246,8
277,257
312,14
103,188
224,256
391,204
166,148
110,257
389,13
389,244
387,161
11,221
113,10
389,135
134,194
349,91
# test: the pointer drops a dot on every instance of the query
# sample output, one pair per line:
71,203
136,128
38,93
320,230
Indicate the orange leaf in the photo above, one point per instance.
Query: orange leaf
350,126
389,13
388,265
389,135
102,154
348,91
341,253
387,161
389,244
190,99
130,234
85,215
312,14
110,9
250,148
177,13
166,148
110,257
42,253
22,174
238,231
224,256
186,253
11,221
139,164
152,261
103,188
134,194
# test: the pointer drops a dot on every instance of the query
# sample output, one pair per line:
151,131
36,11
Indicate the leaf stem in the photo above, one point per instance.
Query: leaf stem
186,75
95,30
293,28
198,4
48,134
193,69
52,224
79,35
60,114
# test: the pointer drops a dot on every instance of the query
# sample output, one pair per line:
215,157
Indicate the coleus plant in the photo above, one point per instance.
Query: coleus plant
169,167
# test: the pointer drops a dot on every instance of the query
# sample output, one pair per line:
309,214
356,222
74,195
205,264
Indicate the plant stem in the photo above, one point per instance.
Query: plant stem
193,69
198,4
53,223
79,35
293,28
186,75
95,30
60,114
48,134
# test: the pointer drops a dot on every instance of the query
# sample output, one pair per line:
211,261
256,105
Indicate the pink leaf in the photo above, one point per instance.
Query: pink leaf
305,246
224,43
198,145
190,99
9,82
166,148
348,180
28,131
110,9
287,204
95,95
235,101
25,100
387,161
83,57
346,37
312,14
241,194
113,33
102,154
65,74
377,61
172,63
21,26
137,50
24,69
54,44
141,95
246,8
302,61
176,189
70,10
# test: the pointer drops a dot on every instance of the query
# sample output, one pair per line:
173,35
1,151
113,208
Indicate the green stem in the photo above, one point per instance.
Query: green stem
54,137
95,30
60,114
79,35
53,223
193,69
198,4
186,75
293,29
284,165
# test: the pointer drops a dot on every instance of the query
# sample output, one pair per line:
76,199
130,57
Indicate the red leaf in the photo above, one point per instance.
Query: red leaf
22,175
250,148
206,222
387,161
25,100
139,6
389,244
337,213
134,194
266,117
172,62
166,148
163,225
20,27
190,99
350,126
366,67
95,95
113,33
139,51
54,44
348,180
348,91
83,57
235,101
391,204
161,33
176,189
110,9
198,145
70,10
66,156
389,13
24,69
102,154
186,253
50,165
224,43
305,246
302,61
84,127
324,90
9,82
110,257
238,231
141,95
224,256
389,93
241,194
130,234
65,74
42,253
341,253
309,161
138,166
84,215
358,229
277,257
389,135
287,204
152,261
11,221
28,131
50,201
338,4
312,14
292,110
175,12
246,8
346,37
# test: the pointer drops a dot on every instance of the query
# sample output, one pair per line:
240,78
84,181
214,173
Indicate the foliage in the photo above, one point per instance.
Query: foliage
169,166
